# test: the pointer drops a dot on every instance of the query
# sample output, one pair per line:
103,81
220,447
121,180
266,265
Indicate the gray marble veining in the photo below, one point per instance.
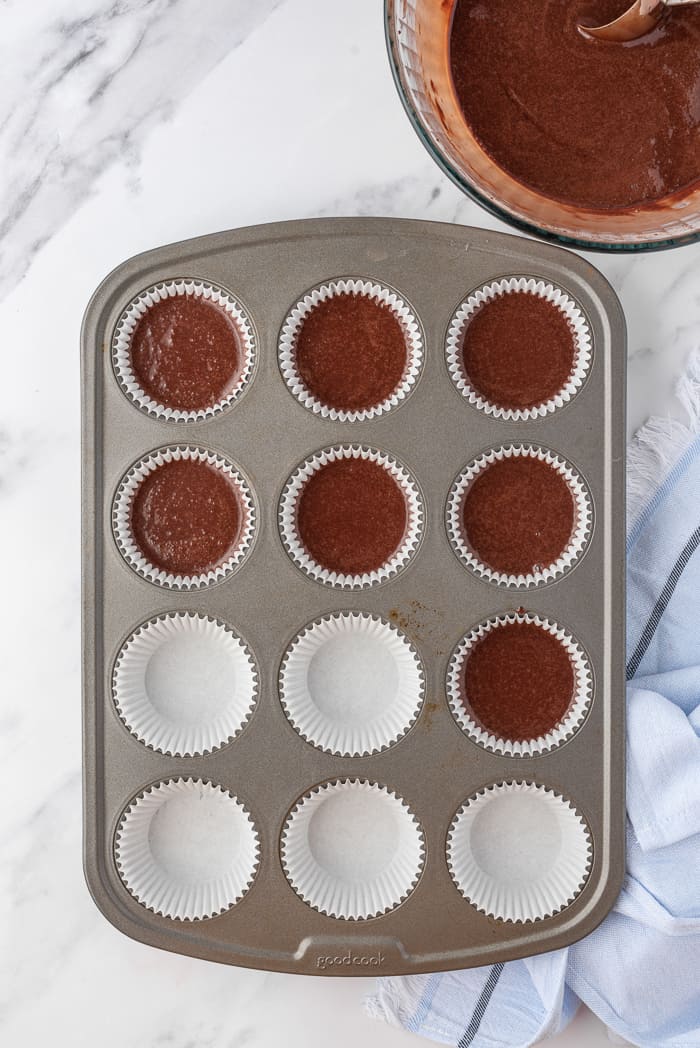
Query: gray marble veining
83,84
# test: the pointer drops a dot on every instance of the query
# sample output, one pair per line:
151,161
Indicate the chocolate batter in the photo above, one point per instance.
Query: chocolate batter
518,681
588,122
186,352
351,352
518,350
186,517
518,515
351,516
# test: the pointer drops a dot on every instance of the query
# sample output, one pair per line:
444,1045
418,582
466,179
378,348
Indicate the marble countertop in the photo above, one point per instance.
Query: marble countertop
126,124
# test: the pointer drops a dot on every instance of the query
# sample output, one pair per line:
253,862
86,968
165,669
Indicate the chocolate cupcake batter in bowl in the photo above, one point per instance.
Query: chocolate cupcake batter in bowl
582,140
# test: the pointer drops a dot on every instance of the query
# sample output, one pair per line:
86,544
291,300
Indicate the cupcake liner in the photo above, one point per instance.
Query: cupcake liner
352,849
287,517
582,527
293,323
184,684
121,347
121,523
351,684
187,849
567,727
519,852
558,297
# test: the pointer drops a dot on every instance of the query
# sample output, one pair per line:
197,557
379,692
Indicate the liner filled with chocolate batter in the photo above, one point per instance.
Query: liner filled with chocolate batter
184,350
183,517
332,658
519,684
351,350
519,515
518,348
351,516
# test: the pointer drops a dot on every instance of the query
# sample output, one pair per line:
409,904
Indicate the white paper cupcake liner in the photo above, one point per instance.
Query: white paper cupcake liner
519,852
121,518
351,286
187,849
583,516
184,684
351,684
558,297
139,306
288,509
352,849
567,727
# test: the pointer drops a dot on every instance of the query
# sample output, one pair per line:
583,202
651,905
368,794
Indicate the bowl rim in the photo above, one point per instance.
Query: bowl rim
501,211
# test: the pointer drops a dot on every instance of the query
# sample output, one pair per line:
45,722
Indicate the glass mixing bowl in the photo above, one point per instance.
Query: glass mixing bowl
418,41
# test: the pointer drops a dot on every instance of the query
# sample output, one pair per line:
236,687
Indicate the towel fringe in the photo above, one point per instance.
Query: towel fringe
393,999
656,447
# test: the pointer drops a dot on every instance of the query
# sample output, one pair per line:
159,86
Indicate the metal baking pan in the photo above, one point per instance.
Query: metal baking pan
435,767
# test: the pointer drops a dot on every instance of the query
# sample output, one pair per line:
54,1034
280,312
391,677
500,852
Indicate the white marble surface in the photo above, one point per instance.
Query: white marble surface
125,124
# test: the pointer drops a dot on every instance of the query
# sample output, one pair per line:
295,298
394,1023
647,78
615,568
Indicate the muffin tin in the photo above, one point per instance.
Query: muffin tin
283,827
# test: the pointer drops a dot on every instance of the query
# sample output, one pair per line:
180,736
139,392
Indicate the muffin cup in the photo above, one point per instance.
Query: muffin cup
559,298
288,508
202,689
121,522
357,661
519,852
352,849
569,724
186,849
292,325
583,514
139,306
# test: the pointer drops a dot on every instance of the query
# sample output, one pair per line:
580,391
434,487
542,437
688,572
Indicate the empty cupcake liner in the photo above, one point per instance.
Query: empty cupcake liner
293,323
121,518
582,339
288,508
184,684
583,514
351,684
187,849
519,852
121,347
352,849
567,727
